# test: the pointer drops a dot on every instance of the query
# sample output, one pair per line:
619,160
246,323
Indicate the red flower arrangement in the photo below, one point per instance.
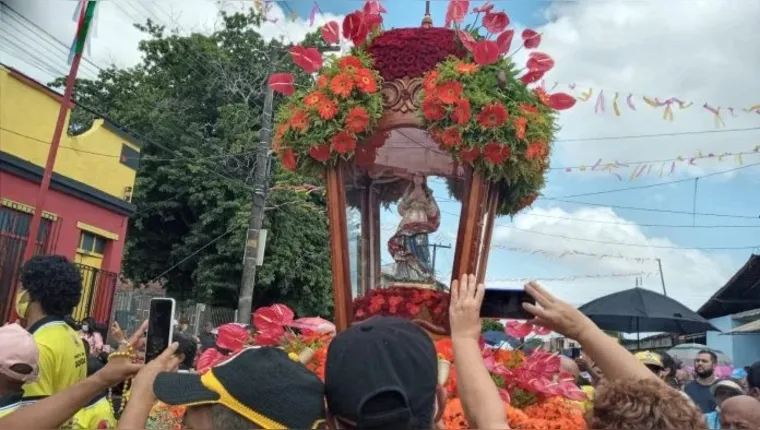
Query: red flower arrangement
406,302
412,52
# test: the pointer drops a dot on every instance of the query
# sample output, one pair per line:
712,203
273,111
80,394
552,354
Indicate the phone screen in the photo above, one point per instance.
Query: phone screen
505,302
160,325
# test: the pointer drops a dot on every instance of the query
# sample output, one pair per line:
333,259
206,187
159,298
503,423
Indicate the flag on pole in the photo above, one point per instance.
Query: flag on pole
313,14
84,15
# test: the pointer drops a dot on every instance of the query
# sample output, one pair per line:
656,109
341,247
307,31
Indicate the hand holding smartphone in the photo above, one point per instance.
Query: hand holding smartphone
160,327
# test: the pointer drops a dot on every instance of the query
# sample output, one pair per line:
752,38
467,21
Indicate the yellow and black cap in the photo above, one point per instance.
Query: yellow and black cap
260,384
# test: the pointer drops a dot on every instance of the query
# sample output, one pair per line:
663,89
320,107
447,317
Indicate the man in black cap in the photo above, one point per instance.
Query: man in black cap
257,388
383,374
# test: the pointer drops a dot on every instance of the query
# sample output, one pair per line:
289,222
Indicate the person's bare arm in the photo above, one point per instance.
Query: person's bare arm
613,360
51,412
480,396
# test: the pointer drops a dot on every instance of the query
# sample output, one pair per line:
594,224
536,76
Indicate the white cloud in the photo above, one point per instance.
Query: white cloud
691,275
116,40
698,50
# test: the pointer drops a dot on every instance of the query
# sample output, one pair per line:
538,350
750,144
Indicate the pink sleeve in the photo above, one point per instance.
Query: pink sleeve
98,339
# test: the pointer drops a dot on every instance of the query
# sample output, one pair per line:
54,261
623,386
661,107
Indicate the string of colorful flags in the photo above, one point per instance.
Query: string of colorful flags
615,101
574,277
85,15
660,168
573,253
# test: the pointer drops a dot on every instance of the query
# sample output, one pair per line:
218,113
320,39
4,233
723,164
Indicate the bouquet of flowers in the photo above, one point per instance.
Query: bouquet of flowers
536,393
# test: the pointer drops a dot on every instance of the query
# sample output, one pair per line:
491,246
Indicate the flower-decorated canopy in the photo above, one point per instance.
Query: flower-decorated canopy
447,102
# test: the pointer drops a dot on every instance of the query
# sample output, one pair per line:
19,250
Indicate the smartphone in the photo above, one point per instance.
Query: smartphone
505,302
160,327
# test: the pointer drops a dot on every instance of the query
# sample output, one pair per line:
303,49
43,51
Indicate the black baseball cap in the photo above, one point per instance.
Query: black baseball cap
261,384
382,373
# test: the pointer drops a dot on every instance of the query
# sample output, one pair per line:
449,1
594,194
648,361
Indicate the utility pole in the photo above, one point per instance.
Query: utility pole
662,278
435,247
260,189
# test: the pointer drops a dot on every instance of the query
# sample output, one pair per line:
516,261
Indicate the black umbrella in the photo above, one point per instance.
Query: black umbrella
638,310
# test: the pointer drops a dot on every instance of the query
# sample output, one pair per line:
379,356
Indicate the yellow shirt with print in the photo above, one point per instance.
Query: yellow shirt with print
62,361
97,415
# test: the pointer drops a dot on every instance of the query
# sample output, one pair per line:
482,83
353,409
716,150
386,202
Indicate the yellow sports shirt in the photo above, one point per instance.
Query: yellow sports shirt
97,415
63,360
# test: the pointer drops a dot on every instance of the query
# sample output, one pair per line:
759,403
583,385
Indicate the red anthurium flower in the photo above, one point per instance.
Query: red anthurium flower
320,153
467,40
496,153
373,7
495,22
505,41
208,359
308,59
517,329
331,32
282,83
231,337
540,61
272,337
355,28
277,315
469,155
343,142
373,21
561,101
483,9
486,52
569,390
531,38
456,11
288,159
531,77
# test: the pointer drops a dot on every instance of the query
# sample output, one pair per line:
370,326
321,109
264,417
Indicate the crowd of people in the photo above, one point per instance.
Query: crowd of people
380,374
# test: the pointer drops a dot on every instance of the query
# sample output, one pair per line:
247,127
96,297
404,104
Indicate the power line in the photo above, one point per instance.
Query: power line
635,208
590,221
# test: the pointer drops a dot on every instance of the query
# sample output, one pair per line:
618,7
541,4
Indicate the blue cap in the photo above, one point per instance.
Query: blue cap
739,374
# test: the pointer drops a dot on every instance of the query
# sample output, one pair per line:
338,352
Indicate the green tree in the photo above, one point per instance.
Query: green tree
195,102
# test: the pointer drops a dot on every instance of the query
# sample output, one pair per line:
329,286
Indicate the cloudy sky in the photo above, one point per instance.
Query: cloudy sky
700,52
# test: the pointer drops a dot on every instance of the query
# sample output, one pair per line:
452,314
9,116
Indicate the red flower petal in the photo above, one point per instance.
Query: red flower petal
495,22
505,41
531,77
277,315
467,40
483,9
331,32
308,59
541,331
486,52
208,359
538,61
231,337
561,101
456,11
282,83
355,28
320,153
518,330
531,38
374,7
504,394
288,159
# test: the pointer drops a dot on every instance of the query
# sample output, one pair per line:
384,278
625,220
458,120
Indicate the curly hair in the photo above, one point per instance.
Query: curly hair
642,404
53,282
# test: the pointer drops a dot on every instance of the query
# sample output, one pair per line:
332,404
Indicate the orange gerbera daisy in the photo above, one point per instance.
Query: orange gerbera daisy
432,109
537,149
313,99
350,64
430,81
449,92
542,95
493,115
288,159
343,142
462,112
365,81
327,109
323,82
357,120
520,126
528,109
451,137
342,85
300,120
466,68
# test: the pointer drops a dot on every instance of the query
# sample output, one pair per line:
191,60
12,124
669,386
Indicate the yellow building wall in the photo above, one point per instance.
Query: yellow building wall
28,115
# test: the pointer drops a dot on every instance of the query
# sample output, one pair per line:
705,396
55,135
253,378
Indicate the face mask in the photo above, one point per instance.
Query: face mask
22,303
85,328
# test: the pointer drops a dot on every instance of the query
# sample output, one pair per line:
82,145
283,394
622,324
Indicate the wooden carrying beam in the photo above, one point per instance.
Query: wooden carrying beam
485,246
336,216
469,237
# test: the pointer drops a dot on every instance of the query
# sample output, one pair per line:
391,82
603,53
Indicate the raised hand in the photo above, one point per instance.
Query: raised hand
555,314
464,309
